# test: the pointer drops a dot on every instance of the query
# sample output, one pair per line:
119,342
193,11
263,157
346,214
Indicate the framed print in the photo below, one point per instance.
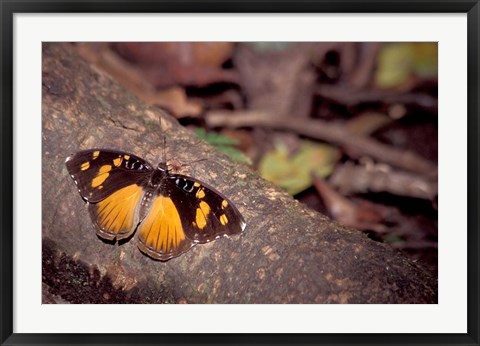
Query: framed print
192,172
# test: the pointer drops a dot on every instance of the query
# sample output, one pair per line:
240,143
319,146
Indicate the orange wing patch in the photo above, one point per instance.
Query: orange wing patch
223,219
102,175
85,166
115,215
201,215
117,162
200,193
161,234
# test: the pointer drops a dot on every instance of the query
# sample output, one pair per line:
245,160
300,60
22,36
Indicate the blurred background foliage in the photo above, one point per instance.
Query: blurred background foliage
398,62
348,128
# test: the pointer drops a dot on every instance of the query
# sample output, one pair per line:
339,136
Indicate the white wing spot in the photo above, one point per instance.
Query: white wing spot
243,224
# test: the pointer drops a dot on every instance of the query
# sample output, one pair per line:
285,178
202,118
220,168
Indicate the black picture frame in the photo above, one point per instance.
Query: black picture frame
9,8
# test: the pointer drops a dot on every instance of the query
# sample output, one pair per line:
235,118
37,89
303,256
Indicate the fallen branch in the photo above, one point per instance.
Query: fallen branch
354,145
349,96
350,178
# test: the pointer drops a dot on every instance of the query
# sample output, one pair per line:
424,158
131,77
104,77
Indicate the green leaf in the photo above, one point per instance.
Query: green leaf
425,59
223,143
398,61
394,65
215,138
294,172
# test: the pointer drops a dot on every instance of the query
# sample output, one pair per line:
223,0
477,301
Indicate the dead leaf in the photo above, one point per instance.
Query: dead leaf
175,100
180,63
367,123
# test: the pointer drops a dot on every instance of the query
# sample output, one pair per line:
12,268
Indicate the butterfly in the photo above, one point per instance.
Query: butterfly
169,212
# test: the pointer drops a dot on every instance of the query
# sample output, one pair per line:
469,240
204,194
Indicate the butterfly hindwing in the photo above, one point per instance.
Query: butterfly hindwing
205,213
117,216
98,172
161,234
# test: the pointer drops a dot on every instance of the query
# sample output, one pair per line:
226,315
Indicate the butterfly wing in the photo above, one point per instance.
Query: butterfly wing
206,213
184,212
161,234
111,182
170,219
98,173
117,216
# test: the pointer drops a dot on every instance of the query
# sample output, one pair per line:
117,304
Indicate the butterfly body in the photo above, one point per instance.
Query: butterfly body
169,212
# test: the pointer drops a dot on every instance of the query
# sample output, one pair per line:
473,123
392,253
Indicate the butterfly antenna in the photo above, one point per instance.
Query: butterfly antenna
164,149
164,140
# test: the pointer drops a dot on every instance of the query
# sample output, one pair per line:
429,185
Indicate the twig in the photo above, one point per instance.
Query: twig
355,145
350,97
367,61
362,216
350,178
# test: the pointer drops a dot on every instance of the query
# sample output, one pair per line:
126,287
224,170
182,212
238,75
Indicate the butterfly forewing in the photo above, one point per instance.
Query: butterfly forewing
206,213
99,173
